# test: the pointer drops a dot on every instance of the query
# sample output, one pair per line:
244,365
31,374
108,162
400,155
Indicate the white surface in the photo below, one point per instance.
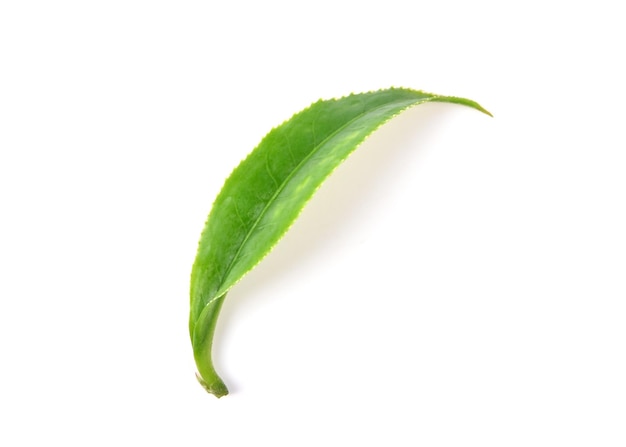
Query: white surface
459,281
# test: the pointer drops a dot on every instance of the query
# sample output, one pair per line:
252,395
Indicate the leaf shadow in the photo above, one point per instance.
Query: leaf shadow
345,200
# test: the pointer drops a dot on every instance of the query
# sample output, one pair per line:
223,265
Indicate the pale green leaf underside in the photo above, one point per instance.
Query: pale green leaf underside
266,192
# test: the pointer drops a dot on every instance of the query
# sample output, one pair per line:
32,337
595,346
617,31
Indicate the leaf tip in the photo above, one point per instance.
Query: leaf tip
465,102
482,109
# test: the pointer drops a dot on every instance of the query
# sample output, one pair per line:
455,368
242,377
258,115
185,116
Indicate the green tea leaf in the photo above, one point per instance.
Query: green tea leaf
266,192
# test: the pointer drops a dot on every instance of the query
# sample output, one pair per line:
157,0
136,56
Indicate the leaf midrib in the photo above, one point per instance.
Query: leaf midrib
285,182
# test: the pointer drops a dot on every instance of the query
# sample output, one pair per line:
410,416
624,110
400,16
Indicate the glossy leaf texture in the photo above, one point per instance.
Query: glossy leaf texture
266,192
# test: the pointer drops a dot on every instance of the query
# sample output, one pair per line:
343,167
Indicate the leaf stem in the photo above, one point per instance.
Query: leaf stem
202,343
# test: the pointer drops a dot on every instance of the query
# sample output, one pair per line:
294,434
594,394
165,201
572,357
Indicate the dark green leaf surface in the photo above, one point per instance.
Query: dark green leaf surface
266,192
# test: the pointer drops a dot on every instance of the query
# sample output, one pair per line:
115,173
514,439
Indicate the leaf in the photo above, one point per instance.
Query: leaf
266,192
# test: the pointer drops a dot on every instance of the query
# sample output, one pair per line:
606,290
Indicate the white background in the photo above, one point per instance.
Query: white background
459,281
